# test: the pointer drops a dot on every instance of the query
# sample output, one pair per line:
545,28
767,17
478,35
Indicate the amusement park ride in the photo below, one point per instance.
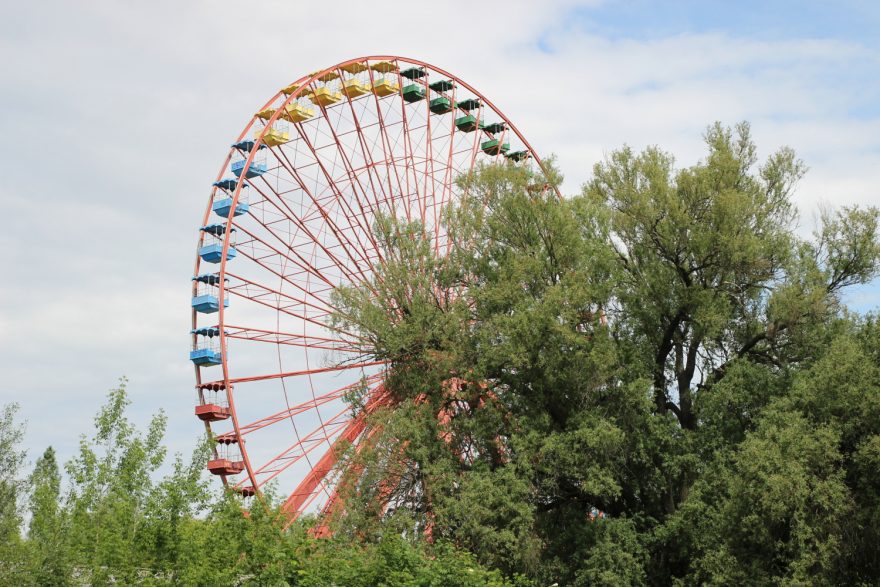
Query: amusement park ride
289,219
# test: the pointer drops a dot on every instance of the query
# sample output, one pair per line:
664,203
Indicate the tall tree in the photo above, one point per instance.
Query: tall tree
47,528
110,483
711,268
575,372
13,557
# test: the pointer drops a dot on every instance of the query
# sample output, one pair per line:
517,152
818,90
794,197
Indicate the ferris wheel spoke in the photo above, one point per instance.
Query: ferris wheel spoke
353,180
319,400
307,487
409,159
307,372
472,151
289,310
335,502
370,166
341,428
438,188
421,194
300,221
302,447
428,175
270,298
261,257
329,223
315,238
319,302
254,291
328,429
387,151
291,339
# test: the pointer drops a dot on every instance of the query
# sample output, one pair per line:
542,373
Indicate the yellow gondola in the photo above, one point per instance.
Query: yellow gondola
324,96
266,114
383,66
297,113
385,87
353,68
273,136
327,76
288,90
353,88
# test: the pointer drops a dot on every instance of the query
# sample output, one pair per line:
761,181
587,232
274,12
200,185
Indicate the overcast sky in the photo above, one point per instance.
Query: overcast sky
117,116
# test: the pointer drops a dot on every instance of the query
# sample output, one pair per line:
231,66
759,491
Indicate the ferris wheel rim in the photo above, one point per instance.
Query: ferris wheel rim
228,383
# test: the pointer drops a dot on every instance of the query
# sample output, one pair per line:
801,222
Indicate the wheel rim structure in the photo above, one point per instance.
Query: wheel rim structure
288,220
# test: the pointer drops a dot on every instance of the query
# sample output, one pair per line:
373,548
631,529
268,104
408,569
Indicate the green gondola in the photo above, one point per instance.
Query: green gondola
414,92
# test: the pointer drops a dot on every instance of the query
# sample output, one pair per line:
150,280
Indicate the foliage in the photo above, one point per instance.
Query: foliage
118,524
49,524
13,555
654,382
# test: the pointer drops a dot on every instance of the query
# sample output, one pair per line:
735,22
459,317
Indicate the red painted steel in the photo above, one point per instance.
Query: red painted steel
309,232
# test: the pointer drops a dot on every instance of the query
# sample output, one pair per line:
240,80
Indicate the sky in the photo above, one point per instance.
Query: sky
118,115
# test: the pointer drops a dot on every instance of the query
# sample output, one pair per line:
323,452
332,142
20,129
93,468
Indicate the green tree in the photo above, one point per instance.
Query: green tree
651,383
13,555
394,562
47,528
120,524
622,353
504,337
711,270
172,507
110,483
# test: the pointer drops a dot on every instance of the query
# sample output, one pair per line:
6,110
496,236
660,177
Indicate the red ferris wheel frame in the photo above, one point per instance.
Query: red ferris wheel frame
374,196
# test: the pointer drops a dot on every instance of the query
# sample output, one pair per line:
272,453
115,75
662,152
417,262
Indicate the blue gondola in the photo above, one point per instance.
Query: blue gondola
222,208
213,253
253,170
208,303
205,357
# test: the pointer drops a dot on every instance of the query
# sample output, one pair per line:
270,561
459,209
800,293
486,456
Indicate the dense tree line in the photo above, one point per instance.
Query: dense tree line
653,382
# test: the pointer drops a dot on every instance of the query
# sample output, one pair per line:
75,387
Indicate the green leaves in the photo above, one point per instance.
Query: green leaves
848,246
656,349
13,554
653,382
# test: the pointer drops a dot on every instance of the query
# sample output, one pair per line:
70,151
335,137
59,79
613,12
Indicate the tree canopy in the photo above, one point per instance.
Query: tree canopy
612,388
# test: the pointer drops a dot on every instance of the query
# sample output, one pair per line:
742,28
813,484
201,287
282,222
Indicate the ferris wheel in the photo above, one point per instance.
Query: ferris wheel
289,219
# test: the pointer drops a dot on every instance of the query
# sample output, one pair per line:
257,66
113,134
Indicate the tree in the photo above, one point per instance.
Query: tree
395,562
110,484
711,270
172,508
576,376
504,338
13,557
119,524
48,526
